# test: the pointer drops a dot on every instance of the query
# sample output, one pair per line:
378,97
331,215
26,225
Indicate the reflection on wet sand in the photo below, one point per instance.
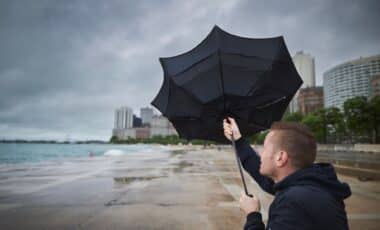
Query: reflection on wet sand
180,167
128,180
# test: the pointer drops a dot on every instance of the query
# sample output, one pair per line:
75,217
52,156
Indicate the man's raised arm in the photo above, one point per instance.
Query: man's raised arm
248,156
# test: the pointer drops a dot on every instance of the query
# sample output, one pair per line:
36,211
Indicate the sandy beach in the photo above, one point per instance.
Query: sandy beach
184,187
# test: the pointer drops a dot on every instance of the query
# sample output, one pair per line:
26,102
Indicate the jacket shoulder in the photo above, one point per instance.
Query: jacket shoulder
305,194
312,201
311,204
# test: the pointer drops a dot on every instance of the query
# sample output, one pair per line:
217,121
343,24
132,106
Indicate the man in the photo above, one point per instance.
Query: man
307,195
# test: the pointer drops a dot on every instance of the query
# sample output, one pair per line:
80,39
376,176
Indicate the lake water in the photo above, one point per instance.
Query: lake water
27,168
13,153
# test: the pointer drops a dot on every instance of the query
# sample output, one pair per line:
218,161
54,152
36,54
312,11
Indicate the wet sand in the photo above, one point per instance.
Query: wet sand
187,188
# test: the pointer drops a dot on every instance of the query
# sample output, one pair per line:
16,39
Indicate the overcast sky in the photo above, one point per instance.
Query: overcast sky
66,65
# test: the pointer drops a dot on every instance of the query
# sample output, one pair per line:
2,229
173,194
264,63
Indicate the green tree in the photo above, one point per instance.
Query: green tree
335,125
374,110
293,117
357,113
313,121
322,128
260,137
113,139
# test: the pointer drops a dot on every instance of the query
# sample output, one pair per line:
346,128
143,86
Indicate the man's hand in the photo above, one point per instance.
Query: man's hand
249,204
230,129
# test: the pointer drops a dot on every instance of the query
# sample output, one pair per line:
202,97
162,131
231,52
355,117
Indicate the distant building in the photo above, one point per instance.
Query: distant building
305,66
350,79
128,125
136,121
310,99
146,115
123,123
161,126
124,134
142,132
123,118
375,85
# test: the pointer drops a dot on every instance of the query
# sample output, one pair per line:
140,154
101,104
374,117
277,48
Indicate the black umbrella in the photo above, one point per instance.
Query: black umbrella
251,80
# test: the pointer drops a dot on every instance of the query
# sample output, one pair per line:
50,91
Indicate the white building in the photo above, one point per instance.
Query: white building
350,79
161,126
305,66
123,118
146,115
123,123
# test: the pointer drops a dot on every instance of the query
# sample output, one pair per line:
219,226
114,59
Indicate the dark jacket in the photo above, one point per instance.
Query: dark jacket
310,198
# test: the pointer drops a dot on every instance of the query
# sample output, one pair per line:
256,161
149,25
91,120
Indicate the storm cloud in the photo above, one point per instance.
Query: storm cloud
66,65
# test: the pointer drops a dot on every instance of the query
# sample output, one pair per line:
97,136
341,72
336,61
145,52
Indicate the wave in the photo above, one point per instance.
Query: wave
114,152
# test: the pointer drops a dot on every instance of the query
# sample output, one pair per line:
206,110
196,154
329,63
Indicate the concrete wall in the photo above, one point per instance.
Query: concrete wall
356,148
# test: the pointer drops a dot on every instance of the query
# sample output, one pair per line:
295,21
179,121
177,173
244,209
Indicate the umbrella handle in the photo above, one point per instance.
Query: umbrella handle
239,166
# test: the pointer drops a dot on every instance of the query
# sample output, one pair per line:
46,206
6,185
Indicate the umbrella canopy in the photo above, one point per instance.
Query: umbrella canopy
251,80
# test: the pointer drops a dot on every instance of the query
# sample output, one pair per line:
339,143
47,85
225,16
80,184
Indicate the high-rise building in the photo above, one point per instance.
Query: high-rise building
123,118
146,115
310,99
123,123
305,66
349,79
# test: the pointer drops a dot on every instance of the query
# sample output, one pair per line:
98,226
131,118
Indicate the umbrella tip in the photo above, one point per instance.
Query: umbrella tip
216,27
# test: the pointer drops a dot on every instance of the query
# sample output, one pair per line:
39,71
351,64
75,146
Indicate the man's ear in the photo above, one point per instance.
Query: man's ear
282,158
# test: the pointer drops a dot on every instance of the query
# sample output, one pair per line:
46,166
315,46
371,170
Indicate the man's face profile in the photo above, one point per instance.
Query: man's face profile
267,166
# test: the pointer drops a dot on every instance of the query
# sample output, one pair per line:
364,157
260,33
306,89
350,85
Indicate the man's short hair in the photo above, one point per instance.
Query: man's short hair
297,140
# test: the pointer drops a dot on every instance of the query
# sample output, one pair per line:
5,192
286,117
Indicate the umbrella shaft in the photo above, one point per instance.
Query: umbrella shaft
239,166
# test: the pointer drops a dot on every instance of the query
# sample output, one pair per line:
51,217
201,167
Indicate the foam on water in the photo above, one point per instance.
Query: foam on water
114,152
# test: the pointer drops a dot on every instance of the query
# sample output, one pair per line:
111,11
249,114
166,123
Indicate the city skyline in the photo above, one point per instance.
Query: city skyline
152,124
65,66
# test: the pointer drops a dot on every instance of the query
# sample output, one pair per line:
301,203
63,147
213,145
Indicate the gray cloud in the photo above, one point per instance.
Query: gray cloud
66,65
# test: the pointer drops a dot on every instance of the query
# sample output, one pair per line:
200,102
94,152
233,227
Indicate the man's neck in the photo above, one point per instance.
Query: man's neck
282,173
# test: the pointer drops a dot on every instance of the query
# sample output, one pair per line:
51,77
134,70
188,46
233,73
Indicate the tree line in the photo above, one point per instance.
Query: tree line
357,122
158,139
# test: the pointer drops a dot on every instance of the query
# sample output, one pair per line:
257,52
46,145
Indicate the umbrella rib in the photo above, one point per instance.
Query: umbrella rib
222,81
256,57
194,64
261,106
271,103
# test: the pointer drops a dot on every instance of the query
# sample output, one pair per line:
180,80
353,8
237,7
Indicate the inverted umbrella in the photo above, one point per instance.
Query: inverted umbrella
251,80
